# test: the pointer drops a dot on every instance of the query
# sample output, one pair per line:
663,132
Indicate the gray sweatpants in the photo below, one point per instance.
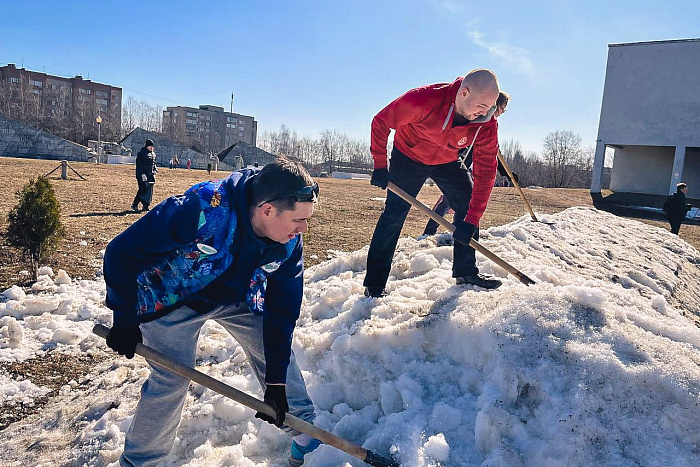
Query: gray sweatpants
158,413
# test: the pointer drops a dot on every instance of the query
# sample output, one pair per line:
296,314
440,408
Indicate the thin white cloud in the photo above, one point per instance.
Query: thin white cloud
452,6
515,57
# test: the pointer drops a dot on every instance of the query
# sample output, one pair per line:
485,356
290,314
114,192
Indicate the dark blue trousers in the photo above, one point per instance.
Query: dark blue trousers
409,175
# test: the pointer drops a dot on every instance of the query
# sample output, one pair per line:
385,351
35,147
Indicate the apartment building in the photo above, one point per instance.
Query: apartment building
209,127
25,93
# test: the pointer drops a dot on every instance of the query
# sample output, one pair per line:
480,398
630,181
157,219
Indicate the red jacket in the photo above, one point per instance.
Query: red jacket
422,118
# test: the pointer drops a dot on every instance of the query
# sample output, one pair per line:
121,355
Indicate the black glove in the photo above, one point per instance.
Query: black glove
123,339
464,232
380,178
275,397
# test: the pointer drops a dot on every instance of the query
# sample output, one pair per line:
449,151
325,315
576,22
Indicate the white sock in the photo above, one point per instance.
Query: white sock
302,439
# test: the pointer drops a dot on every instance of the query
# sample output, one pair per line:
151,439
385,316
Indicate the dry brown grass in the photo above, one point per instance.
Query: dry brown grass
96,210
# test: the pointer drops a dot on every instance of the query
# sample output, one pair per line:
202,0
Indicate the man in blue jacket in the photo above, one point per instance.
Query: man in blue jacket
228,250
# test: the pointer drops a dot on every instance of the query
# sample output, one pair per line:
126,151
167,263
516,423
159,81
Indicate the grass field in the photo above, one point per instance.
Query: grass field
97,209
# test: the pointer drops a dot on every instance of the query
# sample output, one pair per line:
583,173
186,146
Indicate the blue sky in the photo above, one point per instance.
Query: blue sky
316,65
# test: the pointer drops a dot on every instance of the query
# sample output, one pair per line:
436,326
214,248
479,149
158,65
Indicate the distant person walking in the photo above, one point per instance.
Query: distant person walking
676,208
145,176
189,164
209,168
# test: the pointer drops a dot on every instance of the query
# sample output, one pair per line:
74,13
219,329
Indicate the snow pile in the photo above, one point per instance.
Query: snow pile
596,364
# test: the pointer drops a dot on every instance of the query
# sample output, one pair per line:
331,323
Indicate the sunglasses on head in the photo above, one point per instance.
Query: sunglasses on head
306,194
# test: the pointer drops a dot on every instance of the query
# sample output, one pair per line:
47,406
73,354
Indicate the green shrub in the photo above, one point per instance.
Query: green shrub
35,222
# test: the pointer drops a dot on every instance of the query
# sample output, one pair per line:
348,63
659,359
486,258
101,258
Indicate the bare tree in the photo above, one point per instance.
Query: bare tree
141,114
564,158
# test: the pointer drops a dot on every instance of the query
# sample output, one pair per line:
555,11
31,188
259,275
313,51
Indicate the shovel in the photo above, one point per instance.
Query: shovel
296,423
520,190
451,228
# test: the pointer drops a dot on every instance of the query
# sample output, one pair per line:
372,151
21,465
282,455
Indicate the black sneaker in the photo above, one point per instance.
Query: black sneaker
375,292
134,208
480,280
146,208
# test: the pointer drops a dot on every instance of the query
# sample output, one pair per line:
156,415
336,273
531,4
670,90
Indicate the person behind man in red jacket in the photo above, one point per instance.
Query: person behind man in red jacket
433,124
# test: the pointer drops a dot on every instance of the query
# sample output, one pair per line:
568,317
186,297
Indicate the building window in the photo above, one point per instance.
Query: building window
53,86
85,91
14,80
35,83
101,101
102,94
191,122
192,114
230,125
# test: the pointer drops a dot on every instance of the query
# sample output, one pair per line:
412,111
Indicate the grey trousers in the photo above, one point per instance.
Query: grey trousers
158,412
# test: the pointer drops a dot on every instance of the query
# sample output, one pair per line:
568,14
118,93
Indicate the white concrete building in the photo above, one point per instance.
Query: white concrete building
650,115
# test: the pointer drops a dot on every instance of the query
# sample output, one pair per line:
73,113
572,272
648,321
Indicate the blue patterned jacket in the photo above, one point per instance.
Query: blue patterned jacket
201,247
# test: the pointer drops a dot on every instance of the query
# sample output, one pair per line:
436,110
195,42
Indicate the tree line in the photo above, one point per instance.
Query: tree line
332,151
564,163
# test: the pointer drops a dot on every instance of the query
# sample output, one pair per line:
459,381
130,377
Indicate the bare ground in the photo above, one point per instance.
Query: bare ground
97,209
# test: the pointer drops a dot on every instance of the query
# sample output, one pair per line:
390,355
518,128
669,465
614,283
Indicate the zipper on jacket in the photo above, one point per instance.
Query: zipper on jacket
462,160
449,114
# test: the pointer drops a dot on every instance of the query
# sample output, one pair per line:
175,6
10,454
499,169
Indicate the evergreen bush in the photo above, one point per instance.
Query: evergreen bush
35,222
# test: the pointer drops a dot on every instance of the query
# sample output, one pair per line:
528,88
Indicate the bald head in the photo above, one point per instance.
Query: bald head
481,80
477,94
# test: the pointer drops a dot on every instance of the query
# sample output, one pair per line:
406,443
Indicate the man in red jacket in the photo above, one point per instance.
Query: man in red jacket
433,123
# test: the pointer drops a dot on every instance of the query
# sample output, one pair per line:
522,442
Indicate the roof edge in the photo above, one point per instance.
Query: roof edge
670,41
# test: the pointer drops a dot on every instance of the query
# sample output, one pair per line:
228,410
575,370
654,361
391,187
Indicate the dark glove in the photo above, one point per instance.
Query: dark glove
464,232
275,397
515,177
123,339
380,178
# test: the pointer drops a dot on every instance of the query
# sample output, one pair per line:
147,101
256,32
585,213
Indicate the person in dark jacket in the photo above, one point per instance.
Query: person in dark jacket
677,208
145,176
434,124
227,250
442,206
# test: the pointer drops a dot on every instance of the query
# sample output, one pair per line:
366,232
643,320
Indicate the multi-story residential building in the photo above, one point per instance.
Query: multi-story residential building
58,104
208,127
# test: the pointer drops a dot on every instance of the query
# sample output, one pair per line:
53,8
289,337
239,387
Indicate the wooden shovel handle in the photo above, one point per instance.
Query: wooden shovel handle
516,185
472,243
153,356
